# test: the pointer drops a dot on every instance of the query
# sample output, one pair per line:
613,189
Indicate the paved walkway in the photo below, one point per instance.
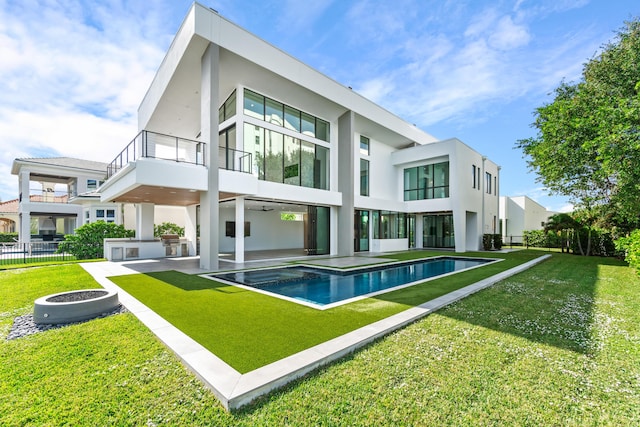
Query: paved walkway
234,389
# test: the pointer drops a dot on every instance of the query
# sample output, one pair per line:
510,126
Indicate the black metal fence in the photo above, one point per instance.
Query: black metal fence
30,253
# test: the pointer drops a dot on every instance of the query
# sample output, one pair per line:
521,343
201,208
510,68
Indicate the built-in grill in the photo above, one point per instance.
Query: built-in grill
170,243
170,239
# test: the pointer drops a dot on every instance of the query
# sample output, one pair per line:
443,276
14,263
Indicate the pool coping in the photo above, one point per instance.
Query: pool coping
234,389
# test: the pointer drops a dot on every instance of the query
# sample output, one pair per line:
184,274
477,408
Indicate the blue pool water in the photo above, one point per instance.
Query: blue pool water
322,287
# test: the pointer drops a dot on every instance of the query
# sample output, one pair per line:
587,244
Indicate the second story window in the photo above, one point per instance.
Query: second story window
487,183
364,177
277,113
427,182
364,145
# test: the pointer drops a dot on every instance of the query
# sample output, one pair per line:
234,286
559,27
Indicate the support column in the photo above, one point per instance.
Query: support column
209,208
24,234
346,183
240,229
144,221
191,228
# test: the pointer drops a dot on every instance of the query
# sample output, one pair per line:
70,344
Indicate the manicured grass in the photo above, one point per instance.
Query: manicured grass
555,345
248,330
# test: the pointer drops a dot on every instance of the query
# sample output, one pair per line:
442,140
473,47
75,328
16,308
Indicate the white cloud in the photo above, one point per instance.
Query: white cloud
71,78
508,35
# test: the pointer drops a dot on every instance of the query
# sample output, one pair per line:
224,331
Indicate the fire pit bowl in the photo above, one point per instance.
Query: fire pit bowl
74,306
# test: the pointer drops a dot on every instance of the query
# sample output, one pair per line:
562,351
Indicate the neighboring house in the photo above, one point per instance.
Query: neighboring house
238,132
9,216
520,214
47,186
59,194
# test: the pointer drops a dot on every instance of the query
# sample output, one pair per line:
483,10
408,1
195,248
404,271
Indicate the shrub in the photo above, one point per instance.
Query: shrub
630,246
168,228
491,241
602,243
8,237
542,239
88,240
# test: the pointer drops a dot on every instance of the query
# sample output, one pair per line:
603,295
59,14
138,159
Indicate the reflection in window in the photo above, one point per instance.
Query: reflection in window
253,104
273,156
364,177
389,225
285,159
364,145
291,118
274,112
427,182
291,160
228,109
277,113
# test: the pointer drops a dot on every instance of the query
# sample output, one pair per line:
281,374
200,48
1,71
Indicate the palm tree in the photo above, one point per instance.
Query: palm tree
562,223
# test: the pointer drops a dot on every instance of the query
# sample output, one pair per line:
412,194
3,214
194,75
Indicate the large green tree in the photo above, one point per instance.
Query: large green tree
588,142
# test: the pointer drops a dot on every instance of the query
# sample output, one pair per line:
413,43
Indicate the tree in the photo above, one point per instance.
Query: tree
588,142
561,223
88,240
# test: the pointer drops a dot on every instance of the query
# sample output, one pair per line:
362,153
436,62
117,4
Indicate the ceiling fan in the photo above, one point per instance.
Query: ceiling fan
262,209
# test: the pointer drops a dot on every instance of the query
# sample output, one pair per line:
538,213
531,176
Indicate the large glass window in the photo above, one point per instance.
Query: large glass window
321,168
427,182
273,156
308,126
254,144
272,111
228,109
389,225
253,104
282,158
322,129
291,160
291,118
364,177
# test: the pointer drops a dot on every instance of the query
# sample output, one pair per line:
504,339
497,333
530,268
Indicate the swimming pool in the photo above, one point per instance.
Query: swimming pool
325,288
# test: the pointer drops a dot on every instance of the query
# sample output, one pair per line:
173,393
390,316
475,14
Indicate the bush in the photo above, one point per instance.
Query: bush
8,237
542,239
630,246
167,228
88,240
602,243
491,241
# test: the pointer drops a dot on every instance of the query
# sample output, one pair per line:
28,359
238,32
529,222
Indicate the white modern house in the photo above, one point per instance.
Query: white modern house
519,214
47,188
265,153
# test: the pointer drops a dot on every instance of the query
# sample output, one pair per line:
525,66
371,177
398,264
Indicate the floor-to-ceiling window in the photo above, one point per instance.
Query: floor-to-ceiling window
438,231
361,232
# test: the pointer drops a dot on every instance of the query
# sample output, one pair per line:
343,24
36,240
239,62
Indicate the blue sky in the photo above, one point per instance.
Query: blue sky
72,73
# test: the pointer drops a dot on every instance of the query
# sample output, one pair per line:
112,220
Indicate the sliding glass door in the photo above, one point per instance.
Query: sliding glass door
438,231
361,231
317,230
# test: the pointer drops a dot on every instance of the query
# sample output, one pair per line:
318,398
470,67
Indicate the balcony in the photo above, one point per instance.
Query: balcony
158,146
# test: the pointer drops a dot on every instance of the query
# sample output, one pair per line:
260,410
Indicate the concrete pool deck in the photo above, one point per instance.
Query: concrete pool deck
234,389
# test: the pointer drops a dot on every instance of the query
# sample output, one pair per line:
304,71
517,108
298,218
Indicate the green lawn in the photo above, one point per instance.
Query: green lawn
248,329
556,345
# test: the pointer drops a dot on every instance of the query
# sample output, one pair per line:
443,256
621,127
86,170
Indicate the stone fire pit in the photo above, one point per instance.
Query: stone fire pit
74,306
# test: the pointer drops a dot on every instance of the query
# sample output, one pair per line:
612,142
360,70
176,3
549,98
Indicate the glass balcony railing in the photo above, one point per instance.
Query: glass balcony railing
158,146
